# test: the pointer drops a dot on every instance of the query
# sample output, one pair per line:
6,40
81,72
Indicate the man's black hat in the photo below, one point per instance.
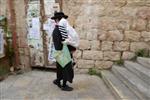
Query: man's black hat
58,15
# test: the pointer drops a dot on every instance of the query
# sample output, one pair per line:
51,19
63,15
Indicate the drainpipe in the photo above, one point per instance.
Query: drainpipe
12,27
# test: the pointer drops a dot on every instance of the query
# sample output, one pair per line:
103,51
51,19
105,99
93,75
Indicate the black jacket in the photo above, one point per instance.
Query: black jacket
57,38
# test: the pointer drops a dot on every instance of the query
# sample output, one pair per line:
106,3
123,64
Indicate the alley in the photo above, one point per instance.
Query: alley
38,85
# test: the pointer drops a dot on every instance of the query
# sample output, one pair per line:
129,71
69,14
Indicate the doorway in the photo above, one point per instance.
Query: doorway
40,44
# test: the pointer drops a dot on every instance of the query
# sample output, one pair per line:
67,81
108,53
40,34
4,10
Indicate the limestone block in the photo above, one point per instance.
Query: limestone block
121,46
107,23
124,24
107,45
119,3
85,1
132,35
20,15
92,34
103,64
128,55
39,59
84,45
138,45
27,63
146,36
95,45
98,8
24,60
134,3
3,5
26,51
148,26
129,11
147,3
22,32
85,63
115,35
21,51
109,55
114,12
77,54
81,71
139,24
93,55
82,34
144,13
22,42
102,35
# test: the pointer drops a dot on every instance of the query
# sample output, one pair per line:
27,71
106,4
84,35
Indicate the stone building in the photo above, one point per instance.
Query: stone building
109,30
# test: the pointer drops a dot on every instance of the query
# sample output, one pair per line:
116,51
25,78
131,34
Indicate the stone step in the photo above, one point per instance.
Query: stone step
144,61
117,87
138,86
139,70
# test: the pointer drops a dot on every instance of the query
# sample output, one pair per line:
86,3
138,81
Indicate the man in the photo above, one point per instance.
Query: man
59,35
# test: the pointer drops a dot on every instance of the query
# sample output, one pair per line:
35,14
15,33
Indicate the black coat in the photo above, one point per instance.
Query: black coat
65,73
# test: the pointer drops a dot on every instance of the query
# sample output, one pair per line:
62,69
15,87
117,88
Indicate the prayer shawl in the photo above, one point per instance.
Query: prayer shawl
63,32
69,34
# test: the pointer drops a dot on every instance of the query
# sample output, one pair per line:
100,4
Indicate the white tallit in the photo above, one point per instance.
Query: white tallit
73,38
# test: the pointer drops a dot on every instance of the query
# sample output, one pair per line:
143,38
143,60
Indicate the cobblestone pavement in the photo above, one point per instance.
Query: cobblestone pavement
38,85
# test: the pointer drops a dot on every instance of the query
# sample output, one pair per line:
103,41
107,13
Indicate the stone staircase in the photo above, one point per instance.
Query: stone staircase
130,81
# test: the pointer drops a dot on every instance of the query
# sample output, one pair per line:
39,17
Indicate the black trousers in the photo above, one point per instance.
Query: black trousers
66,73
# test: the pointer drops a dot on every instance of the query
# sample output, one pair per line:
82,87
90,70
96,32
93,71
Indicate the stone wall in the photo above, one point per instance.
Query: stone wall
3,5
109,30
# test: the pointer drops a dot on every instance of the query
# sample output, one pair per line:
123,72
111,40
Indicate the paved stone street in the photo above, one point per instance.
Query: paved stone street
37,85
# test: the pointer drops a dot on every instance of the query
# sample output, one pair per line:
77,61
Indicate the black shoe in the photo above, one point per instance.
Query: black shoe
66,88
73,63
57,83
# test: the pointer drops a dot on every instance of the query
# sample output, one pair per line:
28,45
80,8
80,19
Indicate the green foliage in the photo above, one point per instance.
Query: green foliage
9,52
3,23
9,49
133,58
142,53
119,62
4,69
93,71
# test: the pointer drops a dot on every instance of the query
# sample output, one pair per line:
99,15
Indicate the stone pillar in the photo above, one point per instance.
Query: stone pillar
12,26
20,11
